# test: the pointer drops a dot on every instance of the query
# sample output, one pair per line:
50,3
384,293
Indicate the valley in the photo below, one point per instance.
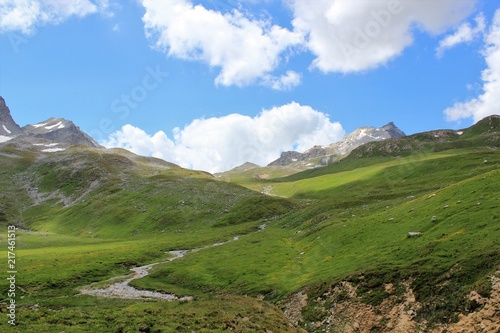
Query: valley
399,235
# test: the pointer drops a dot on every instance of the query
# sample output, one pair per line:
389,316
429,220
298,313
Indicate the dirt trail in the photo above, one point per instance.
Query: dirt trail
122,289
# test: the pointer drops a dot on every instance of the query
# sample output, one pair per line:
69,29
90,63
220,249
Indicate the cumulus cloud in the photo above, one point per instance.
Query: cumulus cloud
464,34
350,36
24,15
219,144
488,103
244,49
344,35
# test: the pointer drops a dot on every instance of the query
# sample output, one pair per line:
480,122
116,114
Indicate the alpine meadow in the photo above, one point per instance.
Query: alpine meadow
400,234
277,166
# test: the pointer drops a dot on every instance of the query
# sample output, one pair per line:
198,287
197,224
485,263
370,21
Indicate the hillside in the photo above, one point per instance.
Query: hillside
483,134
388,241
110,210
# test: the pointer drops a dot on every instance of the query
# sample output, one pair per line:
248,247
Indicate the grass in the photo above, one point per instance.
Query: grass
211,314
352,225
81,233
349,221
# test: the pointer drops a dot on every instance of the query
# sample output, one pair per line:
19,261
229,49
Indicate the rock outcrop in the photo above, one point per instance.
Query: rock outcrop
337,150
8,127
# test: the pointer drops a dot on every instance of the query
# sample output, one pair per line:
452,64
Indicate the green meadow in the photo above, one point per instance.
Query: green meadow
86,216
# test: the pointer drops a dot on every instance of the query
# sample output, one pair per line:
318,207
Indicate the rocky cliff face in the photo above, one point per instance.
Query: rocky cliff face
288,157
8,127
342,148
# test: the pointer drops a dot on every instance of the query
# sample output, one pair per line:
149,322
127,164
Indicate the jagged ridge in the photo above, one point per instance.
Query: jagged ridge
47,134
342,148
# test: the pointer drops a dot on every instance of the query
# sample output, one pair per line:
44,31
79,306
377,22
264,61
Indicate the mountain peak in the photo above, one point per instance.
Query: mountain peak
55,130
49,125
8,127
245,166
393,130
60,130
358,137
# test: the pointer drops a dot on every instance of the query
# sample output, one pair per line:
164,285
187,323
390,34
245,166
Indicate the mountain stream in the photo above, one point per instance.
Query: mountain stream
122,289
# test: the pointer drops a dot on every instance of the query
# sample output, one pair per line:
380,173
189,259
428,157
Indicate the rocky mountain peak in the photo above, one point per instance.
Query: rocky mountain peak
393,130
51,132
342,148
60,130
8,127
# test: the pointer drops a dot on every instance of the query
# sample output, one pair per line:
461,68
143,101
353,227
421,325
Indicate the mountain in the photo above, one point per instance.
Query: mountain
245,166
483,133
54,134
8,127
339,149
399,236
61,131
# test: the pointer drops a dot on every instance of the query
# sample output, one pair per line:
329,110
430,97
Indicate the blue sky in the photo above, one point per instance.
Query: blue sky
211,84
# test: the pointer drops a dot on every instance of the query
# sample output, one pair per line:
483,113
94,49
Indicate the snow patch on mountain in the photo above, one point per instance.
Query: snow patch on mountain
4,138
52,150
59,125
38,125
6,129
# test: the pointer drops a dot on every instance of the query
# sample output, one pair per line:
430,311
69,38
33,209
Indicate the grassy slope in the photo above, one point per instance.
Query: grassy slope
357,222
344,221
106,226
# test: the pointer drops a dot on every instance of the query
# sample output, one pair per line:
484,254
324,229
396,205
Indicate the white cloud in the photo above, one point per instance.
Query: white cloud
219,144
345,35
285,82
464,34
24,15
351,36
488,103
245,49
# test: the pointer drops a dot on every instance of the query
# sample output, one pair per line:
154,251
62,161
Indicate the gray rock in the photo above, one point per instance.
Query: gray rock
333,152
62,131
47,135
8,127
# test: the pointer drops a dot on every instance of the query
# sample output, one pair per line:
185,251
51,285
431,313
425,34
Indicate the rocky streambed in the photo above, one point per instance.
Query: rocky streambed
122,289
